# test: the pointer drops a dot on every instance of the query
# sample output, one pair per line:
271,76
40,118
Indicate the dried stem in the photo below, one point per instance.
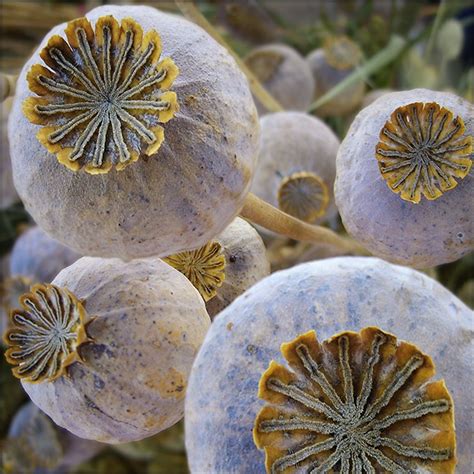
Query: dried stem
265,215
191,12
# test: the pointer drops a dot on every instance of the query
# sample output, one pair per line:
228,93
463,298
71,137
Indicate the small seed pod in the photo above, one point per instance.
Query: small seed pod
450,39
403,187
43,445
356,394
331,296
330,64
152,104
38,257
416,72
105,350
284,74
223,269
8,194
297,165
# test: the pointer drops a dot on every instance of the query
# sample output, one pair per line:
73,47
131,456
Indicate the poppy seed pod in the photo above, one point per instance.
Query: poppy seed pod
404,187
334,297
226,267
133,133
284,74
336,60
44,445
297,165
106,349
38,257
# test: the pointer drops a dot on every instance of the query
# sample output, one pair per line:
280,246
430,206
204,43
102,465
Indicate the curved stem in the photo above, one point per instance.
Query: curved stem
265,215
191,12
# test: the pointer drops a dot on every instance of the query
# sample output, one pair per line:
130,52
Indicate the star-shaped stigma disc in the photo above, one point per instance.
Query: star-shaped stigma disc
103,95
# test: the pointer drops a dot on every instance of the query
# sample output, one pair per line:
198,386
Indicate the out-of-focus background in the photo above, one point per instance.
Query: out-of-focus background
435,52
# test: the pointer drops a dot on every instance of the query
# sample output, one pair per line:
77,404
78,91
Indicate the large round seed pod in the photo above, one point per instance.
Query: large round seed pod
226,267
44,446
125,335
336,60
403,187
329,297
297,165
8,194
284,74
120,151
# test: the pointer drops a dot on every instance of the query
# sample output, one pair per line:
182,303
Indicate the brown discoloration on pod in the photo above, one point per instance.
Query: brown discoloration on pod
103,94
422,150
304,195
204,268
358,401
45,335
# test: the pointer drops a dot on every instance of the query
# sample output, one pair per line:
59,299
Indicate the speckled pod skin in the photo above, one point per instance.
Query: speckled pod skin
325,78
246,263
38,257
177,199
292,142
284,74
8,194
420,235
150,322
74,450
329,296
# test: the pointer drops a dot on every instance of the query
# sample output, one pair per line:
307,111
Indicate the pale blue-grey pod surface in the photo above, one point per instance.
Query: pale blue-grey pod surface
328,296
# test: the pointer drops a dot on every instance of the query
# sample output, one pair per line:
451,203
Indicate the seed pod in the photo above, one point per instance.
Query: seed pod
38,257
125,336
223,269
284,74
169,180
328,296
356,394
450,39
42,444
329,65
403,187
297,165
